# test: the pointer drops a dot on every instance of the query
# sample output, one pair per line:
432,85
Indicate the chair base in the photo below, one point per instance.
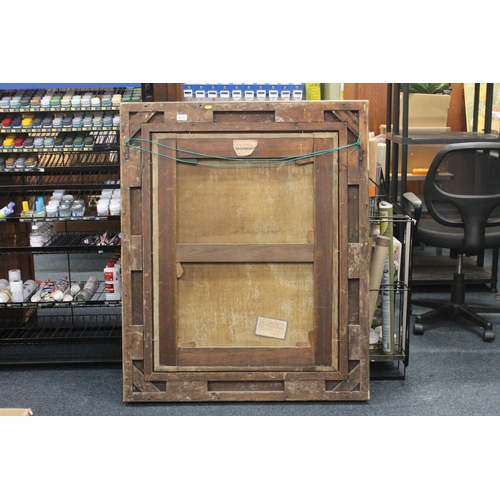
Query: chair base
454,307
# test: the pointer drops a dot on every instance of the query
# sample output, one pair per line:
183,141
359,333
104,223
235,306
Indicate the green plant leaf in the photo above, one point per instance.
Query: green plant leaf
429,88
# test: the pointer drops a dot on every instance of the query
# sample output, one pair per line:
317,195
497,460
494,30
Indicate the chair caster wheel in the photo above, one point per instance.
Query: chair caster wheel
488,336
418,329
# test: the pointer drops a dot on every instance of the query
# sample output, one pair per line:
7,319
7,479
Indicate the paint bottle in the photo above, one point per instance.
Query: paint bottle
72,291
42,292
36,236
118,262
26,213
6,294
116,259
14,274
112,283
16,289
3,284
7,210
39,207
29,286
59,290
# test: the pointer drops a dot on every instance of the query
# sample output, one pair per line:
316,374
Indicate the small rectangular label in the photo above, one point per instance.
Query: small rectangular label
270,327
244,147
182,118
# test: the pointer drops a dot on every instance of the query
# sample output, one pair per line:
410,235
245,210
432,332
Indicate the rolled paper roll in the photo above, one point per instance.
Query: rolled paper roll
386,229
379,257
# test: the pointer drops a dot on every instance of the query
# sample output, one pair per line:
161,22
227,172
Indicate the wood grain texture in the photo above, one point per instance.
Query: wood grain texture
237,357
219,303
323,252
144,291
163,183
223,145
262,205
376,95
227,252
283,241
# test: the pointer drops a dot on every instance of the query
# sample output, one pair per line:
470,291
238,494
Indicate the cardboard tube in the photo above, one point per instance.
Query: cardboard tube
379,257
387,229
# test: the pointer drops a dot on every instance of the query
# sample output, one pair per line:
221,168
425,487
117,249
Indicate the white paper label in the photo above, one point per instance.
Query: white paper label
244,147
270,327
182,118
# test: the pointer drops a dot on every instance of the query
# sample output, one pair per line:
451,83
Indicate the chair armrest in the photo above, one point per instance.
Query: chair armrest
412,205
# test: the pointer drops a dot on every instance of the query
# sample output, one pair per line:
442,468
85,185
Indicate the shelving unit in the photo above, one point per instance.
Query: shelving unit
424,269
60,331
399,137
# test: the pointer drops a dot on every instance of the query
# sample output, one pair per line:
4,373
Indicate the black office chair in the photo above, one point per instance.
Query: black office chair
462,198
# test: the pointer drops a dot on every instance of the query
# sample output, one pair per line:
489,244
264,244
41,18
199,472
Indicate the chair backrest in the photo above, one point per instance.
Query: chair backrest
462,189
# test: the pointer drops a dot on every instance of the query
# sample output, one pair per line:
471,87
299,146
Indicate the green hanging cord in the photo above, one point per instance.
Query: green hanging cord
357,144
248,161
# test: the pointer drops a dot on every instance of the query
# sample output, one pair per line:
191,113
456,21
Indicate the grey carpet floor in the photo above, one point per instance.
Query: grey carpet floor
451,371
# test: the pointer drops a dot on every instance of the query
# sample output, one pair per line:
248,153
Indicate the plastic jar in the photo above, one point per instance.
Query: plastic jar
77,208
36,236
65,209
103,208
114,207
52,210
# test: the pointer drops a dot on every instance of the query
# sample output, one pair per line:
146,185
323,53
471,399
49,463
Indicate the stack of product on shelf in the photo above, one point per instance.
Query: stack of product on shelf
14,289
51,292
59,120
56,99
64,205
60,204
62,290
108,238
64,120
243,91
59,148
109,202
42,234
19,162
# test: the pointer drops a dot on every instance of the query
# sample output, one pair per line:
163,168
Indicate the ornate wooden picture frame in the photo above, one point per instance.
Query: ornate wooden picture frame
245,251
